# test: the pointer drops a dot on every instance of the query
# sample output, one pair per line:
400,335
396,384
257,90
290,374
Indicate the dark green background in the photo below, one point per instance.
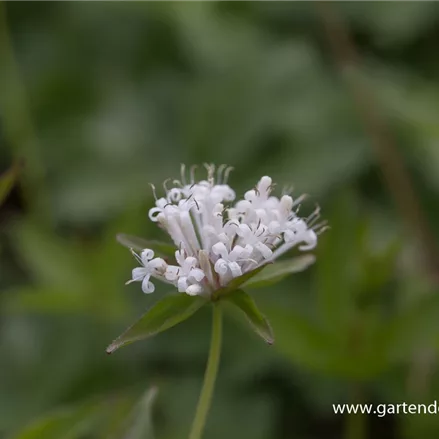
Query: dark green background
102,99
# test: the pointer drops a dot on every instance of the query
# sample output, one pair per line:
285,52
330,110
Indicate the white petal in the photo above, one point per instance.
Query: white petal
194,290
286,203
158,264
248,250
274,227
244,231
220,249
289,236
174,195
236,253
161,202
311,241
249,195
265,251
220,266
147,286
187,227
189,263
172,272
182,284
197,274
154,213
146,255
180,257
235,269
138,273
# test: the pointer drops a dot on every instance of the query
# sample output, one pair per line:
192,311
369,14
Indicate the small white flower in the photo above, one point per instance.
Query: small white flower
150,267
187,275
229,264
218,239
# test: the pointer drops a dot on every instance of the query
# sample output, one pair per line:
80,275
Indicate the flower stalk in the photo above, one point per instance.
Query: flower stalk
210,375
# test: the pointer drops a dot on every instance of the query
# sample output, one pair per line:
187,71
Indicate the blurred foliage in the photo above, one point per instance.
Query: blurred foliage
103,98
7,181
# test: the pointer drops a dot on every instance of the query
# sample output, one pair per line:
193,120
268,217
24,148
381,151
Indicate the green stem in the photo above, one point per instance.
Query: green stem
209,376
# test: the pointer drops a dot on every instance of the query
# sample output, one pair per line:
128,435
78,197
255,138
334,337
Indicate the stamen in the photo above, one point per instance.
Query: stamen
311,223
183,173
226,174
287,190
314,216
138,258
219,173
210,172
271,187
153,191
165,183
300,199
323,229
192,174
260,234
318,227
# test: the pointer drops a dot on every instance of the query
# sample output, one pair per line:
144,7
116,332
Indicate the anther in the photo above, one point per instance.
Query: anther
227,173
219,172
183,172
192,173
165,183
153,191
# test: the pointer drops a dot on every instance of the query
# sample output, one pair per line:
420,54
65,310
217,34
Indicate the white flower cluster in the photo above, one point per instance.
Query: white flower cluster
217,240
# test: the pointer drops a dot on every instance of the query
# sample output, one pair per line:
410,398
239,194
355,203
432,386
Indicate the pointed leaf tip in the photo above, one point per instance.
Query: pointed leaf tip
165,314
257,320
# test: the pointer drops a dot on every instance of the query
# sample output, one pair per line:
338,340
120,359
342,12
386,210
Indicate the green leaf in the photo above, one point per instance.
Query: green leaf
275,272
136,243
234,284
415,325
165,314
44,299
340,263
140,422
256,319
301,339
51,259
8,179
69,423
96,418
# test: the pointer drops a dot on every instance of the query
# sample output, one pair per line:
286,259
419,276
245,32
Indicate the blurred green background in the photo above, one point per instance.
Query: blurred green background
100,99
